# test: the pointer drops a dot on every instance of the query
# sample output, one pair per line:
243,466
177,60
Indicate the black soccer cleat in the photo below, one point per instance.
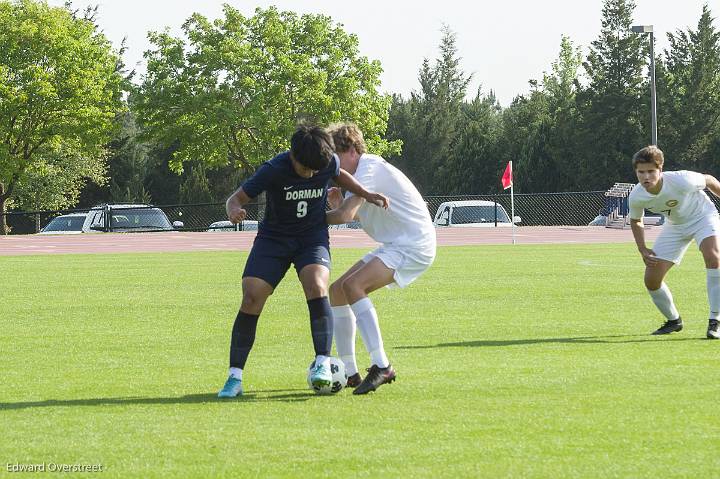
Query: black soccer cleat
713,331
670,326
354,380
375,378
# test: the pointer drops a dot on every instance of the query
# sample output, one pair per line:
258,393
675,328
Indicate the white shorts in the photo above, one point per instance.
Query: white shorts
674,240
408,263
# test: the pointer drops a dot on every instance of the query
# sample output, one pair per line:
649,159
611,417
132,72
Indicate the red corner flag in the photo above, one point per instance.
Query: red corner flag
507,179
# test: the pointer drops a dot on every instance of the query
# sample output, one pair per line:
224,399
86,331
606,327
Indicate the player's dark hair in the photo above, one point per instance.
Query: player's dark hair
649,154
312,147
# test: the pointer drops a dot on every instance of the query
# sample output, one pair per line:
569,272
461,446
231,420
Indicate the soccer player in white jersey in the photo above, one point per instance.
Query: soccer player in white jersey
689,214
407,235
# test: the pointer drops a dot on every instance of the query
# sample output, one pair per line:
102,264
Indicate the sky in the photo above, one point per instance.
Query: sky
502,43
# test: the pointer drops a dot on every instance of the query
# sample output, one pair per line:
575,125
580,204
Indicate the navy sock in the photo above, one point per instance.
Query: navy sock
321,325
243,337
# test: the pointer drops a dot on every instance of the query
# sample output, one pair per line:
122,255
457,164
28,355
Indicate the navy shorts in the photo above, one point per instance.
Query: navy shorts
270,256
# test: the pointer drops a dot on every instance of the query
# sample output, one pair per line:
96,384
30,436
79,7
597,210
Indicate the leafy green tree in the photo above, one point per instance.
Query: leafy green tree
614,106
60,88
56,180
689,96
232,90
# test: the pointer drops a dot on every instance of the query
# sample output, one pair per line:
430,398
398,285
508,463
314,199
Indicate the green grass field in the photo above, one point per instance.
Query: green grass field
513,361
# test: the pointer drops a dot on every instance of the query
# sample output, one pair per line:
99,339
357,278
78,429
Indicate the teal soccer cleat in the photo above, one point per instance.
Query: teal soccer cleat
232,388
320,375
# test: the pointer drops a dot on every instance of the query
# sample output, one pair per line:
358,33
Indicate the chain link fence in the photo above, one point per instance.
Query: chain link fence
128,219
534,209
538,209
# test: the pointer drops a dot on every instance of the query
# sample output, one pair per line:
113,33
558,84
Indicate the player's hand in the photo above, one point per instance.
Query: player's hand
335,197
378,200
235,214
649,257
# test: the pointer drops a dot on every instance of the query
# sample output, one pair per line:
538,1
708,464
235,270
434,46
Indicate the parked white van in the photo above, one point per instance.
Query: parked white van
472,214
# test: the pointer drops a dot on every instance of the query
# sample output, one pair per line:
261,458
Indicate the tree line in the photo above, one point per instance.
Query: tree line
77,129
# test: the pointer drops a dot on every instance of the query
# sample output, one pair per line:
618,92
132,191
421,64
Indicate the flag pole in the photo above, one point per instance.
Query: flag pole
512,206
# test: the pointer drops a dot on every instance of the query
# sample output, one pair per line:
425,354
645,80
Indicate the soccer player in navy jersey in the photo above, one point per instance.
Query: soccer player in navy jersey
294,230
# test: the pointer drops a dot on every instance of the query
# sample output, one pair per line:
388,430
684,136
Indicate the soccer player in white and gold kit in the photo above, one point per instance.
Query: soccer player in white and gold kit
408,240
689,214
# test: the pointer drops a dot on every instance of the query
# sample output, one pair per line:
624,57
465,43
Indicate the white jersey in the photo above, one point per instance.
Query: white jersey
407,221
681,198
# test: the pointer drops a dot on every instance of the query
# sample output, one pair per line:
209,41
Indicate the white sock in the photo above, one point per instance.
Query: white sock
236,373
367,323
320,359
713,290
344,330
664,301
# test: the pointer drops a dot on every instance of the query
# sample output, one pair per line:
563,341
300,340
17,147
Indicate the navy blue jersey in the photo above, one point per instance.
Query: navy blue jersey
295,206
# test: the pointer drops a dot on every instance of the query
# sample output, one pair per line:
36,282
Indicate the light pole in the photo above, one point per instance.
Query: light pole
653,102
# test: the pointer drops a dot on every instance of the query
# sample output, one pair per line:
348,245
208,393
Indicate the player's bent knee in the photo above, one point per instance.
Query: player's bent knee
315,290
712,258
253,299
352,289
250,303
336,291
653,283
712,263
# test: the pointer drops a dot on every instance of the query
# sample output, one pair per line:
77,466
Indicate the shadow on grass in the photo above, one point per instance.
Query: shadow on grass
291,395
617,339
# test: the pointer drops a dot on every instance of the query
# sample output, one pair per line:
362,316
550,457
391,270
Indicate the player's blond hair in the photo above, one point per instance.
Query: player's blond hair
347,135
649,154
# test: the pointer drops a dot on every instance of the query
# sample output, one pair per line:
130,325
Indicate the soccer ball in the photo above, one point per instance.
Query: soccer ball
339,378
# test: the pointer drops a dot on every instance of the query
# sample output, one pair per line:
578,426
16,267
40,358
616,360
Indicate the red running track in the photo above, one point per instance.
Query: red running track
242,241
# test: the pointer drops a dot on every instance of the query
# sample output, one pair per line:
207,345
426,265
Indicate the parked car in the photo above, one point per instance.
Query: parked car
65,224
246,225
472,214
127,218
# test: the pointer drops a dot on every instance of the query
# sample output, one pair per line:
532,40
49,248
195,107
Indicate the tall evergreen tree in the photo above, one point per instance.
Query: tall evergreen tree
561,87
690,111
431,117
614,106
196,188
525,123
474,157
128,165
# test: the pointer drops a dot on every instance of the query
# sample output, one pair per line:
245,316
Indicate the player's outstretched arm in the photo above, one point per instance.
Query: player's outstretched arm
712,184
346,181
235,206
346,212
